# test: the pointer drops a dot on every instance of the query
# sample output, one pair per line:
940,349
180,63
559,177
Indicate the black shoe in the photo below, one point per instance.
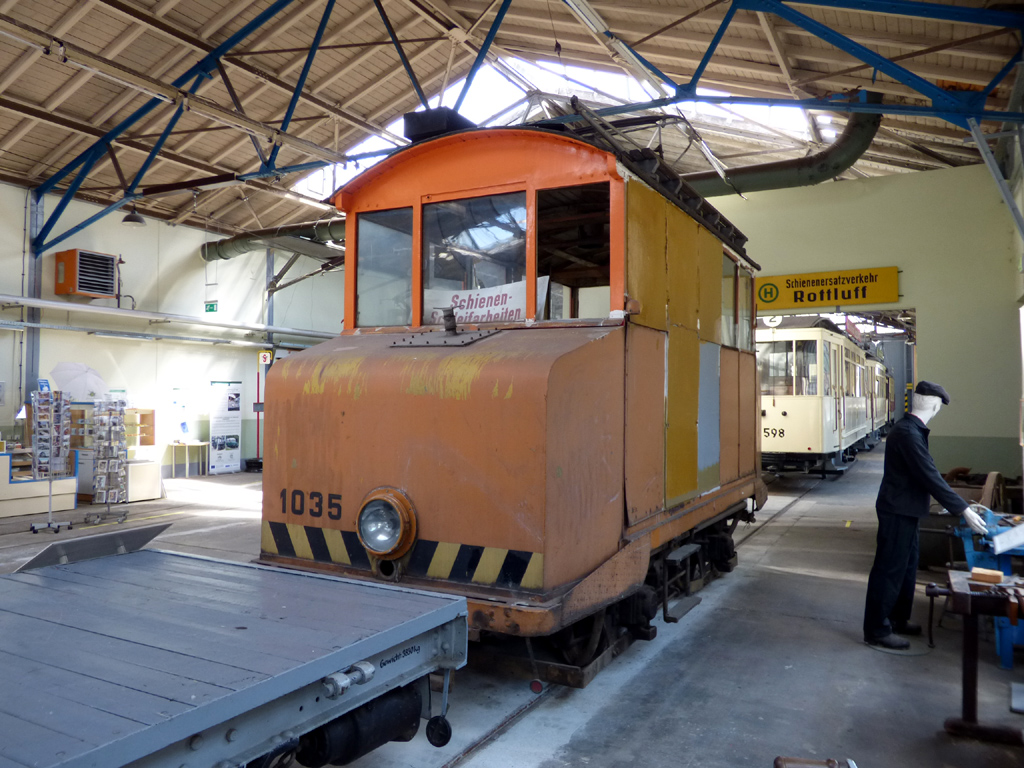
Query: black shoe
892,642
910,629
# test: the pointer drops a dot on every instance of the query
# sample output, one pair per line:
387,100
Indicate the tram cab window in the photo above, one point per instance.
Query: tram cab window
383,274
573,252
775,367
474,259
728,301
806,367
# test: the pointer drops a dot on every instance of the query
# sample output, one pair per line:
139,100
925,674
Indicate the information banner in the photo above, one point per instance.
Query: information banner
818,290
225,427
502,304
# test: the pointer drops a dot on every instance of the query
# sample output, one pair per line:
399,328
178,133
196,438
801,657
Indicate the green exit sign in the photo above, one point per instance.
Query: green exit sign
211,306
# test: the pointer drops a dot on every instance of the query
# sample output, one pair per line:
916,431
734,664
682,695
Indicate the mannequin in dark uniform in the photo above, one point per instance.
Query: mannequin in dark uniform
909,479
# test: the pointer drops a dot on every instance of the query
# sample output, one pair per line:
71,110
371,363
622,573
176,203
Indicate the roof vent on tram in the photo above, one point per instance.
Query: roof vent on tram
428,123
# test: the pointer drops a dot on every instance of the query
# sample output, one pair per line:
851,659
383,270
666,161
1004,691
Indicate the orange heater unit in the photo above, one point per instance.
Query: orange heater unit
86,273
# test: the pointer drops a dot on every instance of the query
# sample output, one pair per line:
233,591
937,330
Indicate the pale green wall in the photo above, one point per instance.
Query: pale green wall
952,237
164,272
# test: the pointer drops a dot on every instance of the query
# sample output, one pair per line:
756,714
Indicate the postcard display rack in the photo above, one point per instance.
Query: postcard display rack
51,445
111,453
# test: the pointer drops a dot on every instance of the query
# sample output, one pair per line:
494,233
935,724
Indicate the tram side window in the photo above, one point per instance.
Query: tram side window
744,332
728,301
826,369
384,268
474,259
775,367
850,378
806,367
573,252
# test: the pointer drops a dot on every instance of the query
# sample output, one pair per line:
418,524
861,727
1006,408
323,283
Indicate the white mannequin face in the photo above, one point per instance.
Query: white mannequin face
926,406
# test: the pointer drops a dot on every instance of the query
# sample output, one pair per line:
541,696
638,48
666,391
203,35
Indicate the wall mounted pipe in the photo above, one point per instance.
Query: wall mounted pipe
160,317
17,326
804,171
329,230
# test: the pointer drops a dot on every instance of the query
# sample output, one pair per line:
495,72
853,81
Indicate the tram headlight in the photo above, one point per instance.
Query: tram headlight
386,523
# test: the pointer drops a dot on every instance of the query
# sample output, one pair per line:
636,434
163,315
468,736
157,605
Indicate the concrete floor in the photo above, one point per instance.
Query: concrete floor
770,663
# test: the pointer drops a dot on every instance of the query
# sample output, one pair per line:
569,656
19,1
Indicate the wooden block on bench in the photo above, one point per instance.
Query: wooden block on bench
987,575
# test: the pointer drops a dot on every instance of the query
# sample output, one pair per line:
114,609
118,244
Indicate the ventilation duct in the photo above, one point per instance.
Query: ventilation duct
307,239
801,172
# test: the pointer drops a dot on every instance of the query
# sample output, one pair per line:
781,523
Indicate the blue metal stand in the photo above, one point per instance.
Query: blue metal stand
980,554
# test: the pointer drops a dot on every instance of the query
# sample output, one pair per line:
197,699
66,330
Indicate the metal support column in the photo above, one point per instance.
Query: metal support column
997,174
36,217
270,294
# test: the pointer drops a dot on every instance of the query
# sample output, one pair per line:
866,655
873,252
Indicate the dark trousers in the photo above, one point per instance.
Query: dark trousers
893,576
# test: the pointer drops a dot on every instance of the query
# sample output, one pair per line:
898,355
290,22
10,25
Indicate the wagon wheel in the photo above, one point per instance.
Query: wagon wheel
580,643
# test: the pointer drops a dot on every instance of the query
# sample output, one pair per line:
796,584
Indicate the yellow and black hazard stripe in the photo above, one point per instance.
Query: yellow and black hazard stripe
509,568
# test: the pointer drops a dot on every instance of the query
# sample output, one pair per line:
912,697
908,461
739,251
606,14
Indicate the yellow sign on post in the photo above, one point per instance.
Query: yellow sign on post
813,290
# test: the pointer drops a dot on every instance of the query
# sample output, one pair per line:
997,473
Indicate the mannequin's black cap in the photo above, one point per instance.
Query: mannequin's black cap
933,389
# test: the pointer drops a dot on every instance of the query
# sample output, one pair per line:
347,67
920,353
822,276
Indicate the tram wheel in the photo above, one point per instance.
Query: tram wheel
580,643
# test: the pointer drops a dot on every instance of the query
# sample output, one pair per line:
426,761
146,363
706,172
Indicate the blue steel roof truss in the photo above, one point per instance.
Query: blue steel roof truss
957,108
87,159
953,107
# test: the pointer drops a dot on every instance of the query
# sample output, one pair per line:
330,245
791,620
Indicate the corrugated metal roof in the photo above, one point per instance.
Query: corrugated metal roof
51,110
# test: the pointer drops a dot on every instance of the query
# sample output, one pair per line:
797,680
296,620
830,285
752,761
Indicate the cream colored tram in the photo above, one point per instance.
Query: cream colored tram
816,394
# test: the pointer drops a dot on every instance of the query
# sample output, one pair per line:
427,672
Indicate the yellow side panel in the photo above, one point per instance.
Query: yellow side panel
681,411
683,283
646,279
709,254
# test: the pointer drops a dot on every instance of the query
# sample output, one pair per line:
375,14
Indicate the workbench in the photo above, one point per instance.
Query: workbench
971,601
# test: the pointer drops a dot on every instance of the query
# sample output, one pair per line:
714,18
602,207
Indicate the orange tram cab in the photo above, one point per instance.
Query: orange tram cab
594,407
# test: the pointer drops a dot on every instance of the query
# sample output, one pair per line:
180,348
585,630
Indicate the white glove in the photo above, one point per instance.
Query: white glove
976,522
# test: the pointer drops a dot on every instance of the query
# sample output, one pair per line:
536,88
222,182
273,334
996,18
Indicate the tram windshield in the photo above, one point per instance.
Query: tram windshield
382,270
474,259
775,367
788,367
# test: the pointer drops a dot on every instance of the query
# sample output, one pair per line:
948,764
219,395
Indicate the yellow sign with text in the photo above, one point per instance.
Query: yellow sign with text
878,285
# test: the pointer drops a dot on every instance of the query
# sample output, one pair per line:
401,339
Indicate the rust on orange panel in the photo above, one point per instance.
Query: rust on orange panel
645,422
618,576
729,422
585,445
749,389
464,432
669,524
621,575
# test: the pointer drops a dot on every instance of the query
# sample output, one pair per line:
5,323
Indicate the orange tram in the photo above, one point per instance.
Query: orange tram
580,434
